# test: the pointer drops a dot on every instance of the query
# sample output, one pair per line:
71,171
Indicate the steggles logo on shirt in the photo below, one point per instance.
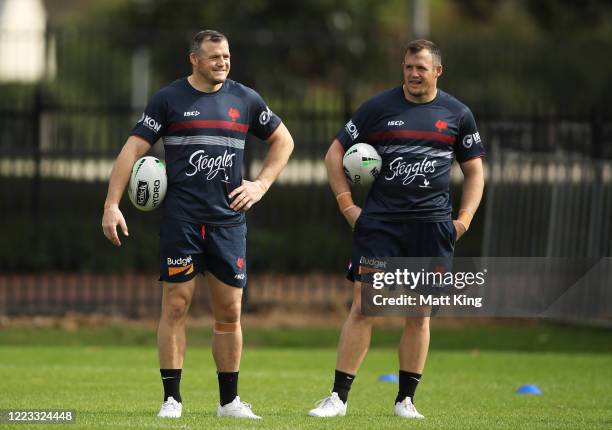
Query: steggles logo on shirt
211,166
408,172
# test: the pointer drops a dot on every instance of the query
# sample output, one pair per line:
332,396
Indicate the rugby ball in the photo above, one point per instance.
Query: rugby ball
148,183
361,164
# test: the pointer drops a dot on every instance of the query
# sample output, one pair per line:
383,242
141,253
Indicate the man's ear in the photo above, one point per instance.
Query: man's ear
439,70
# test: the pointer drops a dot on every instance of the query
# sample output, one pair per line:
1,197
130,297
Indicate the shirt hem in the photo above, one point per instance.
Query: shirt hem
204,221
415,219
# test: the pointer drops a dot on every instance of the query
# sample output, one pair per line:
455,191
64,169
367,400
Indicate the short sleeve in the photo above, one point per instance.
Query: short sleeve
356,129
263,120
152,123
469,144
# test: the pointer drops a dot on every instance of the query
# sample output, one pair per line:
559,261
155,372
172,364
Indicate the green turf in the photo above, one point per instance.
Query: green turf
543,337
118,387
109,375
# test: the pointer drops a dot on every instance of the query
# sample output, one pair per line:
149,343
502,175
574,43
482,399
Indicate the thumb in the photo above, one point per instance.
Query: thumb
123,226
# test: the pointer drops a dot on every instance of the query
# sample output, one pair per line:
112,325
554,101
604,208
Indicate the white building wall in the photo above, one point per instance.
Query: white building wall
22,40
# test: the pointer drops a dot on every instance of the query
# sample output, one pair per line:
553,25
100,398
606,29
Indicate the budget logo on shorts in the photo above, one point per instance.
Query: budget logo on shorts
180,266
142,193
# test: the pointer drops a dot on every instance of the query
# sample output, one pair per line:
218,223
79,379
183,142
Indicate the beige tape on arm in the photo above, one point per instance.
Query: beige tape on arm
227,328
345,201
465,218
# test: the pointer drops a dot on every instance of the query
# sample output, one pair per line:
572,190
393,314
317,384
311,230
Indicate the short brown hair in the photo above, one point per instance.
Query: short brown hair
201,36
418,45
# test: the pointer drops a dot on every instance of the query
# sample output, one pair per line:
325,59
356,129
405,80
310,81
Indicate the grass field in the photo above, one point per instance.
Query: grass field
114,385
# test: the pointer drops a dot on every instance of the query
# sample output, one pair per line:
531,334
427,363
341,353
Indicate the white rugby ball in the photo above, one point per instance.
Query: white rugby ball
361,164
148,183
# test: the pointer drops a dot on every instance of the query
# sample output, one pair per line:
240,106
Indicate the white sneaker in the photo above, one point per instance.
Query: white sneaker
330,406
237,409
406,409
170,409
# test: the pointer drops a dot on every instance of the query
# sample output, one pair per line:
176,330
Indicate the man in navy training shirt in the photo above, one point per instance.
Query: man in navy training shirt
203,120
418,130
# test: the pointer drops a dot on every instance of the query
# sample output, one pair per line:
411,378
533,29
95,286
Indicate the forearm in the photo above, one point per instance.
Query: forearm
472,193
281,147
339,184
120,175
335,173
473,186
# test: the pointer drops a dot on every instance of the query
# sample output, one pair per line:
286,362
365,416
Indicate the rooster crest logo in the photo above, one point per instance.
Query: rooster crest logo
233,113
441,125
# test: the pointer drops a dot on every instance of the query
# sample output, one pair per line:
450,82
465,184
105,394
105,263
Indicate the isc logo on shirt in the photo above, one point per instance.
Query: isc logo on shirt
396,123
191,113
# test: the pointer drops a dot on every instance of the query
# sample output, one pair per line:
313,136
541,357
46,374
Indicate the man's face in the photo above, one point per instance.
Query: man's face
213,61
420,74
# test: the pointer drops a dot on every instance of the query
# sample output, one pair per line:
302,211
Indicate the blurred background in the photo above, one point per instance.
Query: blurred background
75,76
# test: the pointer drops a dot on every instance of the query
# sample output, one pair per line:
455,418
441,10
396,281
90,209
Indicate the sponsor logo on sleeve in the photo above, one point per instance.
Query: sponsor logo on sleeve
265,116
396,123
191,113
351,129
150,122
470,139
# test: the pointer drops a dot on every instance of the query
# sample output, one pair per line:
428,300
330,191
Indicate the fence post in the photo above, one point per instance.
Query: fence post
37,157
494,162
596,220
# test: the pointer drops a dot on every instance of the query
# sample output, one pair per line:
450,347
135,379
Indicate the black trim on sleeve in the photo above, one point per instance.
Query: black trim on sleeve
471,158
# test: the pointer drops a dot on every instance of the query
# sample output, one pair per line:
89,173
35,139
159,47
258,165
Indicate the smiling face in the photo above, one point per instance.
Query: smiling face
421,72
211,64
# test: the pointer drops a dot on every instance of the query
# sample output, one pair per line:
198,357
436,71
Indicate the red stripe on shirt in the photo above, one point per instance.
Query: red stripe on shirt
199,123
413,134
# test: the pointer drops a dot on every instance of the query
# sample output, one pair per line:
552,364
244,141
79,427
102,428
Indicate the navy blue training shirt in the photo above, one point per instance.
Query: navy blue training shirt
417,143
204,136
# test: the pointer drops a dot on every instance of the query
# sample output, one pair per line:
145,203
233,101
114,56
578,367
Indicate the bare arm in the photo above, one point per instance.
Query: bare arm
134,148
339,184
473,186
250,192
